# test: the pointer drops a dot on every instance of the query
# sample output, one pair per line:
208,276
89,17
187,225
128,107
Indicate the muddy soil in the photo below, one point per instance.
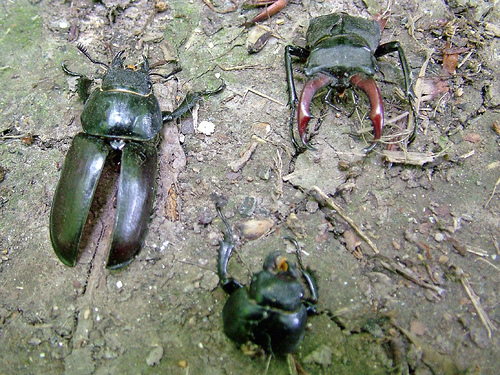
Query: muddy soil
427,302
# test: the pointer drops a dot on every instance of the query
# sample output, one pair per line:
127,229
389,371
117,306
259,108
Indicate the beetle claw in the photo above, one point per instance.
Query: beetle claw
370,88
306,96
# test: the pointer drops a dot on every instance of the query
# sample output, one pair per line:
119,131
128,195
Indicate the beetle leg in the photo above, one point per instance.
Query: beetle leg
306,96
275,7
189,102
389,47
80,174
370,88
302,54
135,197
229,284
83,82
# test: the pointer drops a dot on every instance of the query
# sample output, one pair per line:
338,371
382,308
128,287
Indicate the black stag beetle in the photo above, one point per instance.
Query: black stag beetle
123,114
341,51
272,312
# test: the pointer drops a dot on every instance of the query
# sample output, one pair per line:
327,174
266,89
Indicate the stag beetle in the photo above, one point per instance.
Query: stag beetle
124,115
273,311
341,51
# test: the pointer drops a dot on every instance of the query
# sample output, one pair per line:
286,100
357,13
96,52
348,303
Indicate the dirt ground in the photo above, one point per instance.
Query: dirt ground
426,303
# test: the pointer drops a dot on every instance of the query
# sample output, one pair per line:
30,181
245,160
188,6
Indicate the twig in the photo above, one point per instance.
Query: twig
324,200
278,163
477,305
418,84
492,193
495,243
410,275
410,158
264,96
224,11
487,261
239,67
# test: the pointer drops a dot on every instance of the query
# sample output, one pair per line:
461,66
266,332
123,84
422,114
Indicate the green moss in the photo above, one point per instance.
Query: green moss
21,25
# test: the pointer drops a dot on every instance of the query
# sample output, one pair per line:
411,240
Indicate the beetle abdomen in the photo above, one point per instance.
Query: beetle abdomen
124,115
282,331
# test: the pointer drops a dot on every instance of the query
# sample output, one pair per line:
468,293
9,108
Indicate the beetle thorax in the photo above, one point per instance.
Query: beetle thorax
340,57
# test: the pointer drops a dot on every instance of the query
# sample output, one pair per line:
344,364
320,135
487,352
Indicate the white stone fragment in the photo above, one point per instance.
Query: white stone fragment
206,127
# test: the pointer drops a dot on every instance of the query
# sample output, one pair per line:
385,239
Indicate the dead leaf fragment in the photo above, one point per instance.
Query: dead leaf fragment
171,212
411,158
472,137
496,127
254,228
353,243
450,59
245,156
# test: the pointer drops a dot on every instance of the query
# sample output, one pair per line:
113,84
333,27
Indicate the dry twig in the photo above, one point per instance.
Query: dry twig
258,93
410,275
492,193
324,200
488,324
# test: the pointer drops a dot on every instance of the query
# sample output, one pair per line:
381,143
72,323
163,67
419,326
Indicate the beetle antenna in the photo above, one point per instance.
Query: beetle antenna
83,50
176,70
308,276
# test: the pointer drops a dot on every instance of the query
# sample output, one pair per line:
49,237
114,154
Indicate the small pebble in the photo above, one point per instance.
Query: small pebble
439,237
312,206
206,127
34,341
247,207
155,356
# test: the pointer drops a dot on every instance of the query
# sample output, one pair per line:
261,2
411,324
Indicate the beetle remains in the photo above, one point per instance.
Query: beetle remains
122,115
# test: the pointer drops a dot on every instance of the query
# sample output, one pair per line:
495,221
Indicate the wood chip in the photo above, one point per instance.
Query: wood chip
245,157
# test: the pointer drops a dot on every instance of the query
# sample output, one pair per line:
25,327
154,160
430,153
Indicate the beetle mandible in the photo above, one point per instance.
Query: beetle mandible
272,312
123,114
341,51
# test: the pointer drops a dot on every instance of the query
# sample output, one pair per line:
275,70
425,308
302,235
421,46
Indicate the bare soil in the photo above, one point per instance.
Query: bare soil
426,303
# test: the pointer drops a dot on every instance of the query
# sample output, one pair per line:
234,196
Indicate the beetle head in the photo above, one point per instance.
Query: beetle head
127,78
